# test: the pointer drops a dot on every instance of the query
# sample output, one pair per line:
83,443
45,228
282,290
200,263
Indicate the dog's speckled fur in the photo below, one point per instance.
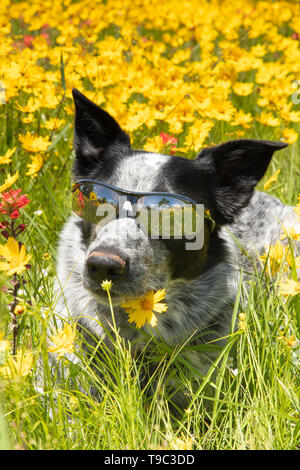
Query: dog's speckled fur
201,289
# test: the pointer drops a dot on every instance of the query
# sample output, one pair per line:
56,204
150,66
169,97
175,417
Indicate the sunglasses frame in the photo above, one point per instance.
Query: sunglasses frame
137,194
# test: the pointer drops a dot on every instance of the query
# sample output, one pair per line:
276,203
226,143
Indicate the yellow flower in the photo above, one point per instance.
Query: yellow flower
15,256
31,106
275,256
290,136
293,261
154,144
54,123
239,133
242,324
175,125
6,159
4,343
106,285
242,119
28,118
197,134
181,443
17,366
289,287
10,180
33,143
143,308
289,342
74,403
48,98
143,116
259,50
35,166
290,233
93,196
287,114
63,341
271,180
242,89
268,119
221,109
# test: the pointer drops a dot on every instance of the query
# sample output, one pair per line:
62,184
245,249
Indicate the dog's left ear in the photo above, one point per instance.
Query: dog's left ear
235,168
95,133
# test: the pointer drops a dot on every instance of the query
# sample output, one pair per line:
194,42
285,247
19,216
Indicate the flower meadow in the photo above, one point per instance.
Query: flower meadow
177,76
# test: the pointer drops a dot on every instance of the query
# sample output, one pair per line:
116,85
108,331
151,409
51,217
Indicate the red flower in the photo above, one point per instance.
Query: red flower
169,141
12,201
28,39
80,200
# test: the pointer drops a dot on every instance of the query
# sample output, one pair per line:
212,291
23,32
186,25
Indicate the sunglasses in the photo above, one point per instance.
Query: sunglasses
160,215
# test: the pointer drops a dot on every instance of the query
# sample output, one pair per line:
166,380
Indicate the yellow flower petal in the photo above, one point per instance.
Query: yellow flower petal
159,295
10,180
291,233
152,320
275,256
35,166
289,287
271,180
6,159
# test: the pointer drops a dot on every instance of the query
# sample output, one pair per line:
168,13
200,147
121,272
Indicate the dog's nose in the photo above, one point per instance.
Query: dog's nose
101,266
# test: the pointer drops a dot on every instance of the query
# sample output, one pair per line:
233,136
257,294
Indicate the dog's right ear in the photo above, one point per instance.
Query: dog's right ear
95,133
223,177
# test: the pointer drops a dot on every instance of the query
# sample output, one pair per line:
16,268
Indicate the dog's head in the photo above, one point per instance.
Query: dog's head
222,178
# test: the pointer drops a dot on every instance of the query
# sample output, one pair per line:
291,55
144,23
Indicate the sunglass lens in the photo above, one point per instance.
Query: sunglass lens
94,202
168,217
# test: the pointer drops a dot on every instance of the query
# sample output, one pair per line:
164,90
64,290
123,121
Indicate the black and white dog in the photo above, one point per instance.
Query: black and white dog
200,285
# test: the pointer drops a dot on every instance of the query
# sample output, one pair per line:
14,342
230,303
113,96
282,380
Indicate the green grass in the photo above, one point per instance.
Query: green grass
254,404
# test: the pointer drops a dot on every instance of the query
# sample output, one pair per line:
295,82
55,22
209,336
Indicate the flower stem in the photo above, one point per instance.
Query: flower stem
16,284
111,310
14,321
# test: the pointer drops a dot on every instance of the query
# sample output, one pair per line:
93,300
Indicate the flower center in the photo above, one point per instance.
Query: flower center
14,262
147,304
